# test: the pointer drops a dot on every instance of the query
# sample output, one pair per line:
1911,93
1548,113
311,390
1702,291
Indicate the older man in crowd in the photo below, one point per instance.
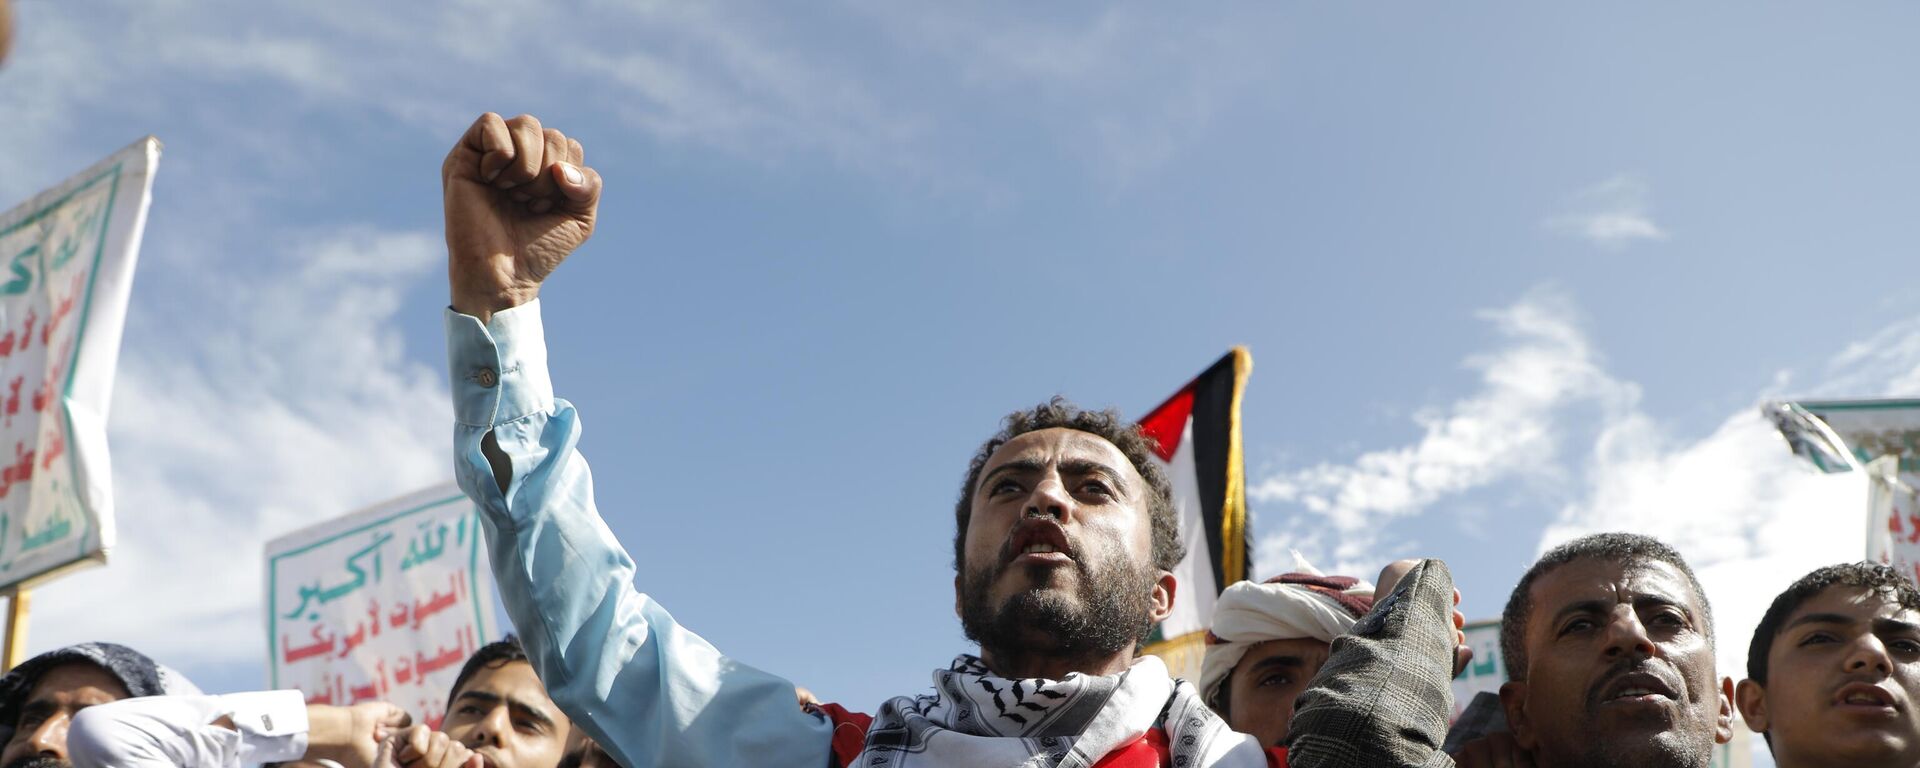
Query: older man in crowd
39,698
1608,642
1833,673
1268,639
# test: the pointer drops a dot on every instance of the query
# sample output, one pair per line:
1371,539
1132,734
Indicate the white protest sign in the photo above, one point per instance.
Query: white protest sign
66,268
386,603
1880,437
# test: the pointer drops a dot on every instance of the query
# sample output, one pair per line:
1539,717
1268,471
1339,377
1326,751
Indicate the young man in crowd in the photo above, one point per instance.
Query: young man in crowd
1063,556
1268,639
39,698
1833,674
498,713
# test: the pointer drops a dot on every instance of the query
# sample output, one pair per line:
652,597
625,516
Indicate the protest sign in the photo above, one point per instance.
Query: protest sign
386,603
1879,437
66,268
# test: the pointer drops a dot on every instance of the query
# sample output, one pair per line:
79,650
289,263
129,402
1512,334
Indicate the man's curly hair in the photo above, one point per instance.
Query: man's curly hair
1108,425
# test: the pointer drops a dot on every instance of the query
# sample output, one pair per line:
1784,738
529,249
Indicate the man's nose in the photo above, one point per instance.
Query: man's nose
1049,499
491,728
50,738
1626,635
1868,653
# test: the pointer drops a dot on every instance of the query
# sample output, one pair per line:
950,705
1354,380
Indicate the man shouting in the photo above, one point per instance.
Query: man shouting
1063,552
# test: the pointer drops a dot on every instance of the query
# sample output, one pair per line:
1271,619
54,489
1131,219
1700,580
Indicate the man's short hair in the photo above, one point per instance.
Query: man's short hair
1874,577
494,655
1108,425
1624,548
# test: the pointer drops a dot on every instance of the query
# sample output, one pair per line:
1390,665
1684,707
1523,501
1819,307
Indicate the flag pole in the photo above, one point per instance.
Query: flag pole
18,601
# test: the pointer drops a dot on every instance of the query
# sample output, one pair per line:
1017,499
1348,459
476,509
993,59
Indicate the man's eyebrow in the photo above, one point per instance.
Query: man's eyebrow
38,707
1084,466
525,707
1661,601
1581,607
1284,661
1819,618
1015,465
1884,624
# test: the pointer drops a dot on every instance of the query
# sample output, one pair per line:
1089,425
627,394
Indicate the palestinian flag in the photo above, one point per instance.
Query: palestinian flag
1199,434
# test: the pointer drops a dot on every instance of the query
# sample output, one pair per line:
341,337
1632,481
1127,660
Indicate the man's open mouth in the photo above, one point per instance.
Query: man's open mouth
1039,540
1638,687
1864,695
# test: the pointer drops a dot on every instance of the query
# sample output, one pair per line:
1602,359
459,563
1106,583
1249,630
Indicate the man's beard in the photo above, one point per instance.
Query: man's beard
1113,613
39,761
1688,743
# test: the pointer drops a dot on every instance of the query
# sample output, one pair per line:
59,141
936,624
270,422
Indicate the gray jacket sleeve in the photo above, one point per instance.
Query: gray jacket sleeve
1383,698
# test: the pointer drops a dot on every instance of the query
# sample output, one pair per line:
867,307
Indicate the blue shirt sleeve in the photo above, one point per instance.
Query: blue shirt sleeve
649,691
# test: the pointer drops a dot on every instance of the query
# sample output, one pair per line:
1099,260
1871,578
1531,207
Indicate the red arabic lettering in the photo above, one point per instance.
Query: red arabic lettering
353,641
320,647
56,446
26,336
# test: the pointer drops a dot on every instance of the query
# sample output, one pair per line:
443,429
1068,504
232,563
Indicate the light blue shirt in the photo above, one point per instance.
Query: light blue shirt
651,692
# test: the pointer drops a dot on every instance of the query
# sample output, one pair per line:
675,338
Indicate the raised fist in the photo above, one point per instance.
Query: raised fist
518,200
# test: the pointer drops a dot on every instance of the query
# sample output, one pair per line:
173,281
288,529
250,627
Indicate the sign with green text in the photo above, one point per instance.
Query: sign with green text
66,269
386,603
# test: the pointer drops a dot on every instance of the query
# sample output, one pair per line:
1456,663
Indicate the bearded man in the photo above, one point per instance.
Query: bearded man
39,698
1063,555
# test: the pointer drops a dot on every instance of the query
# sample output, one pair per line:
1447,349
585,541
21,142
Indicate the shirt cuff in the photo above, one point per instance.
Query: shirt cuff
272,725
498,370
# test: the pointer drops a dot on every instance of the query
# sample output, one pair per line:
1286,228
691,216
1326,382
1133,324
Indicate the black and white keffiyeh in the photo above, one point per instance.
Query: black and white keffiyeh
974,719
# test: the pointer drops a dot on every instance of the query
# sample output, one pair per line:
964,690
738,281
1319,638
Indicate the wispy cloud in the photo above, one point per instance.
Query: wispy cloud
1746,513
283,400
1612,214
1510,426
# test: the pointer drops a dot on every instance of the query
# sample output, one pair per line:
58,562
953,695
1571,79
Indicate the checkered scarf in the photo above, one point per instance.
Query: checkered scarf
974,719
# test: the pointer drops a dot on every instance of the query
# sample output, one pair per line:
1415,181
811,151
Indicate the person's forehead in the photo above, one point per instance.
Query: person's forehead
1611,580
1304,647
1859,603
80,680
512,680
1056,444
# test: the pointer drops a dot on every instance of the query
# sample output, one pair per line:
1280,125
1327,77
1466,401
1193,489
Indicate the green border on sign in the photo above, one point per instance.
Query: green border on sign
273,573
106,223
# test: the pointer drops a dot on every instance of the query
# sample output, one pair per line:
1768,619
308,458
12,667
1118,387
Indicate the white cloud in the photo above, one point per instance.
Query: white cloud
1611,214
1506,428
284,400
1747,514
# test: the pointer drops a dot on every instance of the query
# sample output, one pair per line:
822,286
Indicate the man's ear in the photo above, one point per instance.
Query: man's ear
1723,722
1163,592
1513,699
1753,705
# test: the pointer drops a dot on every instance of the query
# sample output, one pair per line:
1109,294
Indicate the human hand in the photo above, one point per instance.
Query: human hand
351,736
1390,577
420,747
518,201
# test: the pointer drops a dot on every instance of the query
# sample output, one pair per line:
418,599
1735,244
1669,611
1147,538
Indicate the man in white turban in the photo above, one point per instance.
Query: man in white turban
1267,641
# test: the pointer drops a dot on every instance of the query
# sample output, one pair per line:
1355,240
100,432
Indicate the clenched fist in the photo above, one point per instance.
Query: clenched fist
518,200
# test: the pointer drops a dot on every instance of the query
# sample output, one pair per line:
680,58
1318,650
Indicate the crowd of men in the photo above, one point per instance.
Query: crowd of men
1064,549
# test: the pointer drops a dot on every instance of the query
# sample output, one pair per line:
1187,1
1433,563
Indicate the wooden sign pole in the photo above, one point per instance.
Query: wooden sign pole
18,602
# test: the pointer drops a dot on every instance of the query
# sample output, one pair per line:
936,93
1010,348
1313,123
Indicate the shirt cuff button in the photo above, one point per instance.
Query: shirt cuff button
486,377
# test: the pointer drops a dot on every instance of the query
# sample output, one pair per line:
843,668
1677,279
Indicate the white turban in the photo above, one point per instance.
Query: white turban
1306,604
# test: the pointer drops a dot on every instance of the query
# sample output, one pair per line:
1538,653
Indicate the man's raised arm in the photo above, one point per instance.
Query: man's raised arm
519,199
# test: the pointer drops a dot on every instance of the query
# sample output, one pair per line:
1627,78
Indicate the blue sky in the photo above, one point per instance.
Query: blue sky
1508,274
